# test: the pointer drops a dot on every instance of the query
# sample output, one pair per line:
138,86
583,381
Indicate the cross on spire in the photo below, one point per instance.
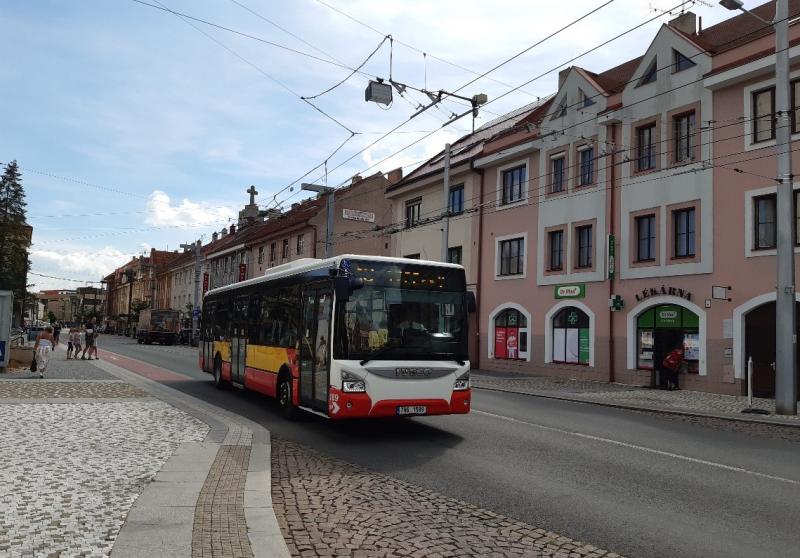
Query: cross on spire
253,193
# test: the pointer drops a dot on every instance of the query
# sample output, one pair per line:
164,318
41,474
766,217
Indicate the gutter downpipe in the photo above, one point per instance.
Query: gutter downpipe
480,266
611,228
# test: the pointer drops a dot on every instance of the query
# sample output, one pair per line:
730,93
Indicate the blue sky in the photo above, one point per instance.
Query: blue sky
133,129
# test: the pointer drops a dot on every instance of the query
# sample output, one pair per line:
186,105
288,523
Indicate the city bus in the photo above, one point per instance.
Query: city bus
345,337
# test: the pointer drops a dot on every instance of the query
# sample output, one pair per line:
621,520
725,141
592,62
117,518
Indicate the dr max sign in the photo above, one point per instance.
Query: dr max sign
575,290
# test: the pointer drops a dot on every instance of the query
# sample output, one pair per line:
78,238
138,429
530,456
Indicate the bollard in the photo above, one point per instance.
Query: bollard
750,382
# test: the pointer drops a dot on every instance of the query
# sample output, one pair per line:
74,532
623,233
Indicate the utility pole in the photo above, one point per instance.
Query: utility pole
328,191
446,216
197,247
785,322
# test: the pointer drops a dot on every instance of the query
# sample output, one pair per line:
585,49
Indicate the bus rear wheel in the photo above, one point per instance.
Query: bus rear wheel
219,383
285,399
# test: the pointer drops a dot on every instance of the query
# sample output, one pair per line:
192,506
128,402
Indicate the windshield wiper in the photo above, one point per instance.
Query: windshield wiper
376,354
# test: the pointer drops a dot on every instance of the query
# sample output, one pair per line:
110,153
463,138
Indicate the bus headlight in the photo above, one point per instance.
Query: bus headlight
352,383
462,382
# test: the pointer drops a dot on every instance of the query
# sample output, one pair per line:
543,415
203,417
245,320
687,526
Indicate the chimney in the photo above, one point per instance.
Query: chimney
357,178
273,213
214,237
295,206
686,22
223,233
233,229
395,175
562,76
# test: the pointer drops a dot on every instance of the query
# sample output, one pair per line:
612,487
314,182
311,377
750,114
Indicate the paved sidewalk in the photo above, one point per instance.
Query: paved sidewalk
101,461
684,402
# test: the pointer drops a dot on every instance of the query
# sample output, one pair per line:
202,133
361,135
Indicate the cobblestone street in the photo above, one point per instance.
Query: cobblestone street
72,470
327,507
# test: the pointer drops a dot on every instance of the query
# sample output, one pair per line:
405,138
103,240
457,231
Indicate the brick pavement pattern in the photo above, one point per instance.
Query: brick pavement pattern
618,394
44,389
71,471
327,507
220,529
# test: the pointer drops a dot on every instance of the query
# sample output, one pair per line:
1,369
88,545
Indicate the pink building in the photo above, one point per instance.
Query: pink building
634,212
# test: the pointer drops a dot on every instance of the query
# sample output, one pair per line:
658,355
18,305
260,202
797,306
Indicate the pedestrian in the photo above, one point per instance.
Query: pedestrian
673,363
77,341
90,335
42,348
56,332
70,345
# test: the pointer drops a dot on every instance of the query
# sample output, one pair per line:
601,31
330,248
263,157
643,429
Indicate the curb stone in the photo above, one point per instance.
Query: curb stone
148,530
660,410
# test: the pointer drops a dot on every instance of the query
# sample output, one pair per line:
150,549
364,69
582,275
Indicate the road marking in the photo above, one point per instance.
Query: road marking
641,448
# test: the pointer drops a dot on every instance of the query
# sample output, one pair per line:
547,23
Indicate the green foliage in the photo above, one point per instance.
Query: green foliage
51,317
14,233
137,306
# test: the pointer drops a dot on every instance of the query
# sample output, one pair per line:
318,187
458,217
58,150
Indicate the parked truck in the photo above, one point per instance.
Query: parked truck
162,326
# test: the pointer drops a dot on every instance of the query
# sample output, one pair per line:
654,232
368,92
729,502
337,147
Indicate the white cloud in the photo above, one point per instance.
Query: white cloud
78,264
161,212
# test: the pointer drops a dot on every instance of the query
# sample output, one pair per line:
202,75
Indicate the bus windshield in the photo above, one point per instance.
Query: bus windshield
401,324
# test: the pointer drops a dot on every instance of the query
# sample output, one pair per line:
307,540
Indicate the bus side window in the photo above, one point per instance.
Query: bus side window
222,320
254,320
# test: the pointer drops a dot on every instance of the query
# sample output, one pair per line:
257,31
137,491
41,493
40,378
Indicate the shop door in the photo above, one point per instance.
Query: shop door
239,339
664,342
315,347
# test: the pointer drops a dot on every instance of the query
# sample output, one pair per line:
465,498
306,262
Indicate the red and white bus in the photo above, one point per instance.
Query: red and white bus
345,337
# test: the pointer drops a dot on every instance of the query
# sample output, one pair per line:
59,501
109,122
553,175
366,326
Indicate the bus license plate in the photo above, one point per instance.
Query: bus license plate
412,410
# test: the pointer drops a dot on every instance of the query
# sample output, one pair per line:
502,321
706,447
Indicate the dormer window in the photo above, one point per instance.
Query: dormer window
650,74
680,62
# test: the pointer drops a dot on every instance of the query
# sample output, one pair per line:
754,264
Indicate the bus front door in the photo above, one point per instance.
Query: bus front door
315,348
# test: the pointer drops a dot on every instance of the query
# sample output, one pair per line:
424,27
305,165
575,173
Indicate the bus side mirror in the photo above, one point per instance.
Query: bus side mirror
471,305
355,283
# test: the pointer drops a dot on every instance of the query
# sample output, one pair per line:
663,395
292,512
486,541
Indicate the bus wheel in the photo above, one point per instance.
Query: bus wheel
219,383
285,399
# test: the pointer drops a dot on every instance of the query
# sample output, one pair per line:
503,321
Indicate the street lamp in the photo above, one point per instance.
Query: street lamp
328,191
785,326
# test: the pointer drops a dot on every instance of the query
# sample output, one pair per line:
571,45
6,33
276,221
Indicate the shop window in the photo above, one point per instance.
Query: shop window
571,342
513,180
510,335
662,328
765,222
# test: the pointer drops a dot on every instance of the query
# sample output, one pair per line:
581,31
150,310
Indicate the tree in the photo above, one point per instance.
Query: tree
51,317
136,307
15,234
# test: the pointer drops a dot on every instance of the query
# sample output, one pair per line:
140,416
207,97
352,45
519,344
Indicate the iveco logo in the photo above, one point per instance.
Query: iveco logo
412,372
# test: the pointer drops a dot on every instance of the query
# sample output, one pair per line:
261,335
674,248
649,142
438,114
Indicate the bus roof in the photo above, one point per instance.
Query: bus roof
304,265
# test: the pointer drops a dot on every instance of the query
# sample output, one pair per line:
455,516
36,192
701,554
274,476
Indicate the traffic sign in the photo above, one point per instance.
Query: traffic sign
195,313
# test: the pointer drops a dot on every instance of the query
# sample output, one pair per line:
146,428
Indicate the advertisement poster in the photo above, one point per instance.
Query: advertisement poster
511,343
500,350
583,345
691,346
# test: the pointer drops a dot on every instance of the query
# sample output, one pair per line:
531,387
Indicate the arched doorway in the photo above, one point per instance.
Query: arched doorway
510,335
571,339
662,328
759,337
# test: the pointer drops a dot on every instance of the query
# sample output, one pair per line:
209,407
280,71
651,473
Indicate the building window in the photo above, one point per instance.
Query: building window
272,252
571,342
683,223
763,115
454,255
512,256
413,208
795,89
557,174
285,249
680,62
513,179
585,99
684,128
556,241
584,246
301,243
765,222
650,74
412,256
510,335
455,202
645,147
586,167
646,238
